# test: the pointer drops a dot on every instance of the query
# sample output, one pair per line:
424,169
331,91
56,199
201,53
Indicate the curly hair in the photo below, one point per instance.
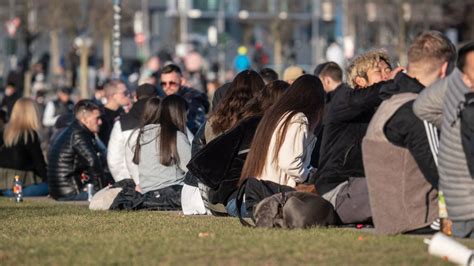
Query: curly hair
359,66
243,88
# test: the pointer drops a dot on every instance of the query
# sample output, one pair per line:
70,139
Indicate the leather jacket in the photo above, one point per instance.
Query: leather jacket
72,153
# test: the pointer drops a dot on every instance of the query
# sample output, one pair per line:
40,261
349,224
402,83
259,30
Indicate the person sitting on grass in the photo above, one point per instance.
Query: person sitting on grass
119,159
20,151
230,149
446,104
340,177
162,150
400,169
244,87
74,156
281,148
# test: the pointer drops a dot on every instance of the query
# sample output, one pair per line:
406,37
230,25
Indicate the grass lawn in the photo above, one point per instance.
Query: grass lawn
48,233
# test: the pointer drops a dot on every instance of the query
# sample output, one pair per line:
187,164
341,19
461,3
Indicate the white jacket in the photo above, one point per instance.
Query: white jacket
120,156
294,155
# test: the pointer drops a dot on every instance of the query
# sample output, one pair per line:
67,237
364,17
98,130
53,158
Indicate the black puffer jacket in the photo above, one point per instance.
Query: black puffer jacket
72,153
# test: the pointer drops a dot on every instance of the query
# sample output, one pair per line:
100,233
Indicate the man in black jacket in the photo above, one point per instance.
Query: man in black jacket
330,75
73,157
172,82
341,171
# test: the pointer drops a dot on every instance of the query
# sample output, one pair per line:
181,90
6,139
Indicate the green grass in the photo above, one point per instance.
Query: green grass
48,233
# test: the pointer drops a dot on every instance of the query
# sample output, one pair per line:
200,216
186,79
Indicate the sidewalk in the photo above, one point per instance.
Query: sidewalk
49,199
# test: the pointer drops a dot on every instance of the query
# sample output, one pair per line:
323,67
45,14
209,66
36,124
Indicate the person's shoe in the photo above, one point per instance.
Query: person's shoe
427,230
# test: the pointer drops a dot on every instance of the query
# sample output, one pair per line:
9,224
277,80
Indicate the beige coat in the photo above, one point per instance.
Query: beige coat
294,155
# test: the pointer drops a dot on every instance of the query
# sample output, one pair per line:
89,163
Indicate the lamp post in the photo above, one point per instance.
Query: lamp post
183,21
83,44
12,25
146,29
221,41
315,44
116,60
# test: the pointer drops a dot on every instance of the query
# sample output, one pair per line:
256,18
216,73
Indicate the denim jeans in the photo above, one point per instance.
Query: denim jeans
35,190
463,229
83,196
231,209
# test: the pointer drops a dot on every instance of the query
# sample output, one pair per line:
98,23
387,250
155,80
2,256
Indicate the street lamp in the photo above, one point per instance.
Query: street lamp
83,44
116,59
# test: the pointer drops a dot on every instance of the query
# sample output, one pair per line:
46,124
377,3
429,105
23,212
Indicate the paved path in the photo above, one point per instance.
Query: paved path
51,200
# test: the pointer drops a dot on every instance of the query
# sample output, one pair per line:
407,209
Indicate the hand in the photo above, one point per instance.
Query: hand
313,171
304,187
312,175
394,72
138,188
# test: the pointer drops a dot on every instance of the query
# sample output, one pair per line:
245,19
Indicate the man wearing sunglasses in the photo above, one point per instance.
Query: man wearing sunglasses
172,82
117,97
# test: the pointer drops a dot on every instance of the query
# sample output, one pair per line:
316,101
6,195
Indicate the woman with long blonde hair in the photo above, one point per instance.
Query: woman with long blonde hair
20,151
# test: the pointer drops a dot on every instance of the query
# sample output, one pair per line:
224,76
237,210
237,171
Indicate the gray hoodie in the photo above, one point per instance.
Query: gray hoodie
152,174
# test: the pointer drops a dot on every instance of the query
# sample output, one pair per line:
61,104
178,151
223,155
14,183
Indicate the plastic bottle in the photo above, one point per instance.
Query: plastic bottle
445,222
18,189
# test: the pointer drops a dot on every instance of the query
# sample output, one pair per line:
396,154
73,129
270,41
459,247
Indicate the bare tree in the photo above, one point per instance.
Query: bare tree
58,17
101,17
101,21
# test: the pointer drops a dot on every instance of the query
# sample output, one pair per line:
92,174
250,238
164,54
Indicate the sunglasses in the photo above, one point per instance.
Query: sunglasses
171,83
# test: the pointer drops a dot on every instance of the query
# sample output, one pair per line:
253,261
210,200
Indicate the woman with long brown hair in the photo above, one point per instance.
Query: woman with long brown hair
20,151
223,158
162,149
281,149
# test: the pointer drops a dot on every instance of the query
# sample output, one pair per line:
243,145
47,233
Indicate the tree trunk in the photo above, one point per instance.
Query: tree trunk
83,72
107,54
27,84
55,53
277,49
402,29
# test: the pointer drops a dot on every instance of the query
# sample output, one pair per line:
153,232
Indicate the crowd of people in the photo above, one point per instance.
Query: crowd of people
377,142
